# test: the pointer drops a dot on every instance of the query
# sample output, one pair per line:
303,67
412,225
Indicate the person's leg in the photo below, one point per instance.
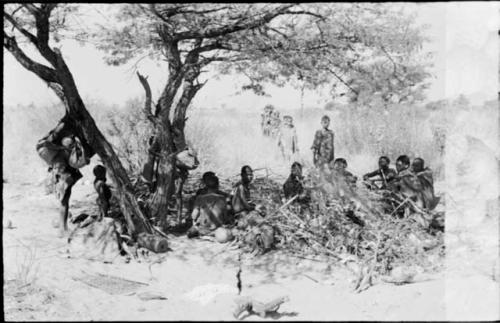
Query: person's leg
67,182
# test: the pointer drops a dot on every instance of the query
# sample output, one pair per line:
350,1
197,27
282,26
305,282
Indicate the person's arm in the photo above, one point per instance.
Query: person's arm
196,211
371,174
390,176
246,205
316,141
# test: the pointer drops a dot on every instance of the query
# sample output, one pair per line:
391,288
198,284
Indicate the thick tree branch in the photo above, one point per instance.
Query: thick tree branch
47,74
31,8
23,31
147,103
202,12
304,12
42,23
232,28
166,99
171,47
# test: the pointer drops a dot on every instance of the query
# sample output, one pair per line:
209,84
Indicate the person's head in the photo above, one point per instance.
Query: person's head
402,163
325,122
339,164
67,142
212,182
383,162
205,176
288,120
418,164
296,169
99,172
246,174
268,108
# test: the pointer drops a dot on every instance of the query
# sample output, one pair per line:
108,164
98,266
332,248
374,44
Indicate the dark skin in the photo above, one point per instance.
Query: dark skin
383,166
103,193
210,209
400,166
325,123
417,165
240,201
292,186
387,174
65,179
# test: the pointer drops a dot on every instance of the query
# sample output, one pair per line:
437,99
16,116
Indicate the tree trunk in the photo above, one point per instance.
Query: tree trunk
302,88
87,129
61,81
172,139
159,202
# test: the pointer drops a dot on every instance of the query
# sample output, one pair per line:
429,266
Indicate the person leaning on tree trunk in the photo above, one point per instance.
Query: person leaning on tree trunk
323,144
65,153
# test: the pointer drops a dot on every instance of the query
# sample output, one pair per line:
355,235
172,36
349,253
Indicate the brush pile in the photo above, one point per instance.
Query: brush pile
345,222
352,223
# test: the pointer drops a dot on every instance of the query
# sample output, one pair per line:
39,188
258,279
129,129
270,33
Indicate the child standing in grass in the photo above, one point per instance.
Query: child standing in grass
287,139
323,147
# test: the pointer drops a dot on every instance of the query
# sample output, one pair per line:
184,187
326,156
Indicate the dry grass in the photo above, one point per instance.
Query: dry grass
227,139
27,266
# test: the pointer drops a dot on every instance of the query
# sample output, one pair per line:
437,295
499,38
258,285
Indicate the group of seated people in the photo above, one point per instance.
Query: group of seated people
413,180
211,208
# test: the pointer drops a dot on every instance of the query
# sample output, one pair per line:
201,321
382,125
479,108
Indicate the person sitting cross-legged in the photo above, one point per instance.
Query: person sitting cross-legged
210,209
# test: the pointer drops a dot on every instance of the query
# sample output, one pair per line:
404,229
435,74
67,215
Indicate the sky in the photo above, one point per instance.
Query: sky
464,40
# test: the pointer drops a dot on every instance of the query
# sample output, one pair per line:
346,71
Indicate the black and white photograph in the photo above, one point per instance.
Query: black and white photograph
319,161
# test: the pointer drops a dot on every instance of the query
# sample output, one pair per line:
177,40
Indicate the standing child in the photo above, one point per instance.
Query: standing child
103,191
287,138
323,144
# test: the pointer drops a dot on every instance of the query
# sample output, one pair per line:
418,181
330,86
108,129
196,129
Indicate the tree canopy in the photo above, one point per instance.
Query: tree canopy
360,50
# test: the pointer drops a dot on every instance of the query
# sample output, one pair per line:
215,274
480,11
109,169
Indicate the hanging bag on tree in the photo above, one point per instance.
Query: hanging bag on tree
47,150
77,157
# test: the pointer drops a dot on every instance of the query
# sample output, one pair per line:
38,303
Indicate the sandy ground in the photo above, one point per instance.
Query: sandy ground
198,279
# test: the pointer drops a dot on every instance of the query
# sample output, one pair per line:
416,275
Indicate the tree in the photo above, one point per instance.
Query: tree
367,49
367,52
36,24
190,37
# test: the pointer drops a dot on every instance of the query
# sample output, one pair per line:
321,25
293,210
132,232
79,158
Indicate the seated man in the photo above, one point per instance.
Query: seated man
294,185
386,174
424,174
339,170
246,212
406,183
342,182
210,210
